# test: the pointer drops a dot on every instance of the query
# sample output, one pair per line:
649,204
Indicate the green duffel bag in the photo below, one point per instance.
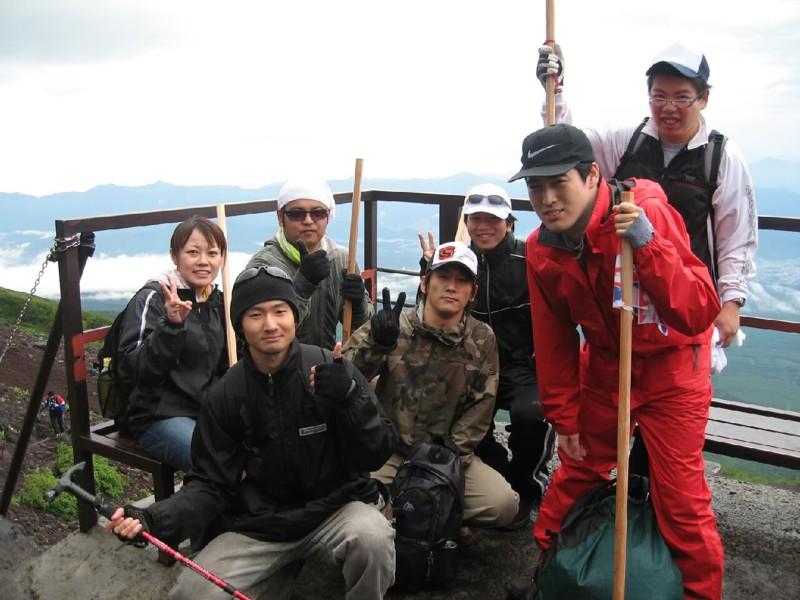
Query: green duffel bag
579,565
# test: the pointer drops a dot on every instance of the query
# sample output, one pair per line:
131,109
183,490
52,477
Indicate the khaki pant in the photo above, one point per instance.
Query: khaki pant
488,498
357,537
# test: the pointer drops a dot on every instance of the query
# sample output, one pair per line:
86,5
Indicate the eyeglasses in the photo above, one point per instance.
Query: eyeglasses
253,271
493,199
299,214
660,101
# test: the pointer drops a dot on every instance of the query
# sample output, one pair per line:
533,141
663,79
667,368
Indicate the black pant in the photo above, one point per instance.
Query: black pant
531,442
57,421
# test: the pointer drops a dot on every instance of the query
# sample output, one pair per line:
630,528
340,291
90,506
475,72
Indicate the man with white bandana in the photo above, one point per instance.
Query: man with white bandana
316,264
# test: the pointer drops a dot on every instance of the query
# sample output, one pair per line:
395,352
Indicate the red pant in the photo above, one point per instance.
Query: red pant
670,397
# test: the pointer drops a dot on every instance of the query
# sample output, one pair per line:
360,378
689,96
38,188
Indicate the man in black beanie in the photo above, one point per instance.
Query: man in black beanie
282,453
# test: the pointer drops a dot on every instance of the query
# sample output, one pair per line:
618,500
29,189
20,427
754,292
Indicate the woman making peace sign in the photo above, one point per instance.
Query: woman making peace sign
172,344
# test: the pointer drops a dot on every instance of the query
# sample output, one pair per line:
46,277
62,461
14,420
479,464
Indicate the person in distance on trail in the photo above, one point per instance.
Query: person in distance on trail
720,214
571,262
503,303
437,369
172,344
55,406
282,454
316,264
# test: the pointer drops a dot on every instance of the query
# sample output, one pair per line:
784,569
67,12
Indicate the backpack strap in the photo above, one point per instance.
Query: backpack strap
712,158
616,188
310,356
637,139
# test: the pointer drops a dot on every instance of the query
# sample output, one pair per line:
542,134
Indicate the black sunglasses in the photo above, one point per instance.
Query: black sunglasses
299,214
253,271
493,199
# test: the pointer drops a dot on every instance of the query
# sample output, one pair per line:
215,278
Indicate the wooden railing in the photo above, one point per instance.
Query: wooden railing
449,207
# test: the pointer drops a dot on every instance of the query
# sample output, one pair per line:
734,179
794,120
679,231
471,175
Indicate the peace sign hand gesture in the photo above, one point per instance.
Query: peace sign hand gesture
177,310
385,324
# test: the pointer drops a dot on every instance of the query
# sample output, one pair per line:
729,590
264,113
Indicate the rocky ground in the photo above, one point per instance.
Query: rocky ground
18,372
46,558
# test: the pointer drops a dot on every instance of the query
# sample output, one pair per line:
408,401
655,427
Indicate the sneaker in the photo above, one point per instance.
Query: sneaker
521,519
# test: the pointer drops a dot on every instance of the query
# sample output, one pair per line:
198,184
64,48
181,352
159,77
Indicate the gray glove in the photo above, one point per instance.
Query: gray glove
315,266
640,231
551,62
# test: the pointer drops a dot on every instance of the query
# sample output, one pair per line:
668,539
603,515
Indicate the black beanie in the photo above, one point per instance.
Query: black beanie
267,283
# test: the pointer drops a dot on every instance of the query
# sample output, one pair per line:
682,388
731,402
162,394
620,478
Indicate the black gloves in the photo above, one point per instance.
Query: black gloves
386,322
353,288
144,518
315,266
332,381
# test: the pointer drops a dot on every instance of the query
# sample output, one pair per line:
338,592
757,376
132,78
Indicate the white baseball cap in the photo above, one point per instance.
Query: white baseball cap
454,252
689,62
488,198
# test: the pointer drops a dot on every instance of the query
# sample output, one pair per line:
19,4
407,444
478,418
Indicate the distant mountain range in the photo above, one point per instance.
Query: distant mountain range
28,221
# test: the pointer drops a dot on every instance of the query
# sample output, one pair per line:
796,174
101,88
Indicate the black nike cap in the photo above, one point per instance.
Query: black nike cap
553,150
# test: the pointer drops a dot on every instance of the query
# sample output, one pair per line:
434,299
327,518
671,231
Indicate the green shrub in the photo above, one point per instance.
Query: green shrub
33,490
107,480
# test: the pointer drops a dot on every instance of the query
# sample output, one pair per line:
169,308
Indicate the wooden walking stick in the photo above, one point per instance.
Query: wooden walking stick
347,317
226,280
623,415
461,230
550,89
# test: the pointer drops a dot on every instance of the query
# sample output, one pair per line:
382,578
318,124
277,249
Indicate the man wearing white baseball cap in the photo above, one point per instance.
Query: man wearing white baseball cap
704,174
438,368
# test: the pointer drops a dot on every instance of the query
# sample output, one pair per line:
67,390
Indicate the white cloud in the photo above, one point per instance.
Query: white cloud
253,92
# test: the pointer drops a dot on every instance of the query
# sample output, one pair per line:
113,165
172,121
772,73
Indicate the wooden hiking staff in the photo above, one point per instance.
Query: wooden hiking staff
347,317
623,415
550,35
461,230
226,280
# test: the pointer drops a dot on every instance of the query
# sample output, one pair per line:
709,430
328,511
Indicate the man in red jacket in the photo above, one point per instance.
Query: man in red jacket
571,262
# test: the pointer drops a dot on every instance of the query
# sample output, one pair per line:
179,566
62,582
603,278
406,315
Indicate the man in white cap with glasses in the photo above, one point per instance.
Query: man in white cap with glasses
503,303
703,174
314,261
282,455
675,147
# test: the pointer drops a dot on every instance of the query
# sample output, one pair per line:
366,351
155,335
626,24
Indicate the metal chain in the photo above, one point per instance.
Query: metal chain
59,245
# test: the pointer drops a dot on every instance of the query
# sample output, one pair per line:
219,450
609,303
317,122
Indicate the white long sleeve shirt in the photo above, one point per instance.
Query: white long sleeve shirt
734,202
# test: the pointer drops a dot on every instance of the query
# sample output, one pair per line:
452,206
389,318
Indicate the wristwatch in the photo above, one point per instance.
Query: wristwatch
739,301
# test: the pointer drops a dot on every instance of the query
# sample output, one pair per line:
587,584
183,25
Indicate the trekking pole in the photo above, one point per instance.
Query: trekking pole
623,415
347,317
550,84
66,484
226,281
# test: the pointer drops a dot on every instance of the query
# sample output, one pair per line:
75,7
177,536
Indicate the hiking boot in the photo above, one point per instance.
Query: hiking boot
521,588
465,536
521,519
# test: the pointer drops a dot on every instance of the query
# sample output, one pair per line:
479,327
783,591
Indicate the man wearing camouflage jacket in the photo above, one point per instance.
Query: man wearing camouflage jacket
438,370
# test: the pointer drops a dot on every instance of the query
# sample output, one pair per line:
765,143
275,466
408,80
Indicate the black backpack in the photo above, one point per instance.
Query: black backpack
112,401
579,564
112,398
427,497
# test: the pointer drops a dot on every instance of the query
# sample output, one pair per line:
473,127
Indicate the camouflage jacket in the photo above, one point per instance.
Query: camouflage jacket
434,382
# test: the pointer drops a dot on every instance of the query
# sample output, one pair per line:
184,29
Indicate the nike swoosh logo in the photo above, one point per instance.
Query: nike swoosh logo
531,155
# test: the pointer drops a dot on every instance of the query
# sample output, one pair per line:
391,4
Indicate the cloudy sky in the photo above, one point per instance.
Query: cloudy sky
251,92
